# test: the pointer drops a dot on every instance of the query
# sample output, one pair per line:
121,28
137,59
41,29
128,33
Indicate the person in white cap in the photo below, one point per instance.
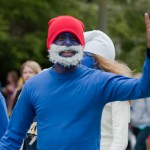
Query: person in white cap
68,98
99,53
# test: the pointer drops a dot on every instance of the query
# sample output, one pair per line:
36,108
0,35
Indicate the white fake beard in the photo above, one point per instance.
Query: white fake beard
54,55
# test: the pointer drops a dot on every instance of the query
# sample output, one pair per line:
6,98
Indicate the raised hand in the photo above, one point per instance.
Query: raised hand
147,23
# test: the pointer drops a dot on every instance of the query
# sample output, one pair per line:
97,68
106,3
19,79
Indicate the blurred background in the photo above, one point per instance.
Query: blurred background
24,23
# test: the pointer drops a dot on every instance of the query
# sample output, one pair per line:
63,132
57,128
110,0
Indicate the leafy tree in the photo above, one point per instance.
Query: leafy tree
127,27
23,28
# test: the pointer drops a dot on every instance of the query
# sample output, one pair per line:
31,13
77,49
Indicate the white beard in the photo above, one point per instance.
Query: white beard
54,55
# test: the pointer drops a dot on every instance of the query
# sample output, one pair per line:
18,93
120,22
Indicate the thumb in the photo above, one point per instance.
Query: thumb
147,24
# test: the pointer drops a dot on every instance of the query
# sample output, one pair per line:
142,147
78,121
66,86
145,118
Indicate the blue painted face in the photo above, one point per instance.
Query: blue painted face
89,61
66,39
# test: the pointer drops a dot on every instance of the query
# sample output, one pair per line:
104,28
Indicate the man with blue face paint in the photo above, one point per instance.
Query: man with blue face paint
66,51
68,98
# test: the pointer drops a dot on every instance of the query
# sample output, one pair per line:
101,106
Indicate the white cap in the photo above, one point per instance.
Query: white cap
97,42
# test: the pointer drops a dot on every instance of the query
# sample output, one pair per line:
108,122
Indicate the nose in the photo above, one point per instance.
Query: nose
68,41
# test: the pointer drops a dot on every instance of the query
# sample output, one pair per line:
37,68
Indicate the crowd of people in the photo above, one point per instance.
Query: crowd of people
86,101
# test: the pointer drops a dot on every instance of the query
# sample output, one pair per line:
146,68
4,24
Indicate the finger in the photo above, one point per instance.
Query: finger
147,21
147,24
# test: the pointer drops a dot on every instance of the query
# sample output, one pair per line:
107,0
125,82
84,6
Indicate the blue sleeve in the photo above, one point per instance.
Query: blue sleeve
124,88
3,116
20,121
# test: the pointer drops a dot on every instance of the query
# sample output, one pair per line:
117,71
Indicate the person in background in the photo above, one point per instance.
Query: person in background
10,89
3,116
99,53
67,99
140,120
27,70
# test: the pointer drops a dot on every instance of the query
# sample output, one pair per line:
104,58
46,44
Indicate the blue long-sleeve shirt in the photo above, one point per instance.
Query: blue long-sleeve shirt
3,116
68,107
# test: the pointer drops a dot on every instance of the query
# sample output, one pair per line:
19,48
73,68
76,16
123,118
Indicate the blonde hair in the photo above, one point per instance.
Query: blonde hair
32,64
116,67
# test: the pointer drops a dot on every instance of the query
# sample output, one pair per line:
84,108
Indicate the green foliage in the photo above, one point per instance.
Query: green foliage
127,28
23,28
22,32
